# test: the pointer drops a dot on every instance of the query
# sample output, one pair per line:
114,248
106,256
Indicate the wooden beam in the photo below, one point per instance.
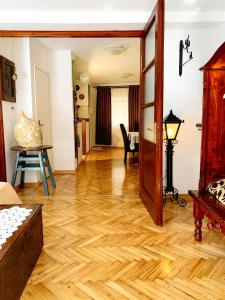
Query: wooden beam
71,34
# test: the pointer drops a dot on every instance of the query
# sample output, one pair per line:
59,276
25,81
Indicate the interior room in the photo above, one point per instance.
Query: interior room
111,150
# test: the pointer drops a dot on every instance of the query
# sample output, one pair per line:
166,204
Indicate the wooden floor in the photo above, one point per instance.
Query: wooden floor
100,242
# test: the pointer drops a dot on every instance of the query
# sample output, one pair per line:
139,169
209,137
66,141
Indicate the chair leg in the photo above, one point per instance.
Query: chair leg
22,175
43,173
125,157
49,169
13,182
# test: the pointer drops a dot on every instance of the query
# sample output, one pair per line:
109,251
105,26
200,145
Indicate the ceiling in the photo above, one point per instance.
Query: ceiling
107,15
101,14
104,67
109,5
193,5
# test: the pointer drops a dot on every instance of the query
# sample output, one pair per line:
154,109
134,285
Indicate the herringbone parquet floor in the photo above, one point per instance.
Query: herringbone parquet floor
100,242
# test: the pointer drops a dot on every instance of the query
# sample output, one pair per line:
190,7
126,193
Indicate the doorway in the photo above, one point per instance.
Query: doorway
156,149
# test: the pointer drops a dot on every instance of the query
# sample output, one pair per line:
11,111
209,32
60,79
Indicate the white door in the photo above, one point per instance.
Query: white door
43,106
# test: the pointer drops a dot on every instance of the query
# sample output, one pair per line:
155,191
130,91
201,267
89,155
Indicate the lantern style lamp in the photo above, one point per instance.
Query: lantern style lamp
171,128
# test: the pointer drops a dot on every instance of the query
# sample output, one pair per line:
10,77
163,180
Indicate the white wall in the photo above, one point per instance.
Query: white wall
16,50
184,96
21,56
28,53
60,66
39,59
119,102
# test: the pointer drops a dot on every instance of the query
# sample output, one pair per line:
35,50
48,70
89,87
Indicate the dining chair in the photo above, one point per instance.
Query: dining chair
126,142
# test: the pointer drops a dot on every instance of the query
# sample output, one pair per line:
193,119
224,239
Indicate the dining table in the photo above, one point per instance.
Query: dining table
133,137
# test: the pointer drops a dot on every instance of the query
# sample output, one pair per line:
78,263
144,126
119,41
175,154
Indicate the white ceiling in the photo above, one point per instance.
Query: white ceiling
101,14
112,5
193,5
107,15
104,67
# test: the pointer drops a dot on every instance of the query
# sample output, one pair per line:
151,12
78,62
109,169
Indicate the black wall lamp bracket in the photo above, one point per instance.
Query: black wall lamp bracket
184,46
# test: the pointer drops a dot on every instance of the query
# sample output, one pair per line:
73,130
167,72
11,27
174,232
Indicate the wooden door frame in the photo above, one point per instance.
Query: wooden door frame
55,34
159,18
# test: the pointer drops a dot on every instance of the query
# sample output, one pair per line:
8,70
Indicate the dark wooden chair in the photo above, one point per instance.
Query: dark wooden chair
126,142
212,146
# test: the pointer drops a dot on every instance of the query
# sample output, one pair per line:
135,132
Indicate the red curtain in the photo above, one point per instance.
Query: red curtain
103,117
133,104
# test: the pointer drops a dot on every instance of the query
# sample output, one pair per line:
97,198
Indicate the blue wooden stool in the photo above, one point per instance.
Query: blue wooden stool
25,162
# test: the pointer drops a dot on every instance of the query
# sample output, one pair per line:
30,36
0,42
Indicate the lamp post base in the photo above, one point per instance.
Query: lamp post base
174,197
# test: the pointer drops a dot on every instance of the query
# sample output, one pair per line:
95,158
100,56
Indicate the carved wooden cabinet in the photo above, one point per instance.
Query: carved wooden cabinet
213,143
7,80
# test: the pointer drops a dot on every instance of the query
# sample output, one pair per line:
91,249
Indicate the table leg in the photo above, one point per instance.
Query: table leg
198,215
49,169
43,173
22,176
13,181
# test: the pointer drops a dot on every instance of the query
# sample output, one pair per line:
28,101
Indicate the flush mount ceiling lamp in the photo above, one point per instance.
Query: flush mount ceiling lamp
115,49
85,77
184,46
126,75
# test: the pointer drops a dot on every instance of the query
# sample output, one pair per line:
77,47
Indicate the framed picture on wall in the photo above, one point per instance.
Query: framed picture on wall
7,80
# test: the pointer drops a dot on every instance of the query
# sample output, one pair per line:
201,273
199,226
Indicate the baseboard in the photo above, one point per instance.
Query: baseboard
107,147
63,172
28,184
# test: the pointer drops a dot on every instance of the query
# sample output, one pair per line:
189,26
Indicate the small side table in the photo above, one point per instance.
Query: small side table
21,165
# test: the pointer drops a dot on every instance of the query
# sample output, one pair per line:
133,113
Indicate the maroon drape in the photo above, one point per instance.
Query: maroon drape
133,105
103,117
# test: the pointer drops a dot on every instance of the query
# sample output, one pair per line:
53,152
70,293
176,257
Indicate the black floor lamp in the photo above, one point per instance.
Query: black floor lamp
171,128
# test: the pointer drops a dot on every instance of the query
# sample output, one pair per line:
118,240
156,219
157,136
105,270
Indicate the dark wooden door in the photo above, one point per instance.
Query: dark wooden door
151,113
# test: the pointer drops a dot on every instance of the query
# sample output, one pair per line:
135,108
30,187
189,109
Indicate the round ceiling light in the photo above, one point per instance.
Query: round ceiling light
116,49
126,75
85,77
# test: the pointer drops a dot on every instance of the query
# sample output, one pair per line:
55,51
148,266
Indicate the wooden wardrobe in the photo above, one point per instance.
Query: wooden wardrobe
212,145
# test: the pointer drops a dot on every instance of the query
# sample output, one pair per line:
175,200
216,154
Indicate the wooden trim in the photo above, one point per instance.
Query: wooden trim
71,34
107,147
153,200
159,99
149,104
63,172
149,25
149,66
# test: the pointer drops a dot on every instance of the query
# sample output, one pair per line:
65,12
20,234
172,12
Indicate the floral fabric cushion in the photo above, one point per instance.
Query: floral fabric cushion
217,189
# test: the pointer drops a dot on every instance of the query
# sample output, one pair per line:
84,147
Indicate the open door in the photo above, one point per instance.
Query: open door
151,114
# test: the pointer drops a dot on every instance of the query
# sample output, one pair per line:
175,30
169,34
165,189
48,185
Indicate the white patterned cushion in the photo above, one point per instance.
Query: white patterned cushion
217,189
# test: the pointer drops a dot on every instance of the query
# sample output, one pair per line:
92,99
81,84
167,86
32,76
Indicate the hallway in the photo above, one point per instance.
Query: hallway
100,242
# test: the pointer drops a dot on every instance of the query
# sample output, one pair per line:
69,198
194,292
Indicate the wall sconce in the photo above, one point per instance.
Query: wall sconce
184,46
171,128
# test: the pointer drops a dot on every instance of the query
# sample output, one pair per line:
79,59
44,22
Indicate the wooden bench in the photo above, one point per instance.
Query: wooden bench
20,253
205,205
